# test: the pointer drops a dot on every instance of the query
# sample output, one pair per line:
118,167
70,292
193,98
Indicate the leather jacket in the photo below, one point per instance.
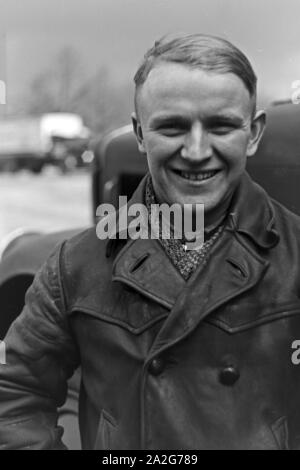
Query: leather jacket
166,363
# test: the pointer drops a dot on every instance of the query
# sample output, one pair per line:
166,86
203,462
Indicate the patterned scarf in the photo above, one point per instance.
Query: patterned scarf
186,261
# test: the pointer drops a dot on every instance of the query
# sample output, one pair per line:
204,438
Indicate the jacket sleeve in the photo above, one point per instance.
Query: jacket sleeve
40,357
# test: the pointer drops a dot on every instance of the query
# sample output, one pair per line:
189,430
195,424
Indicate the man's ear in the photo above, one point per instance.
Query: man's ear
138,132
257,129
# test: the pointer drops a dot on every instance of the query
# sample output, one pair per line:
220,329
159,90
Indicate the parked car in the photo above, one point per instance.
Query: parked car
117,169
31,142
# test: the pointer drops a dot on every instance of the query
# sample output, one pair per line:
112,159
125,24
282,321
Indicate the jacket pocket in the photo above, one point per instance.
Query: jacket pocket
280,432
106,429
236,318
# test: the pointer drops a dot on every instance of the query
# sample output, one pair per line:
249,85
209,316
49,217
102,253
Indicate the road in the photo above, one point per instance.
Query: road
47,202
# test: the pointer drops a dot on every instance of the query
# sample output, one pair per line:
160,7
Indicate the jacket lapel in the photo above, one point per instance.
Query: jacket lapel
143,265
232,269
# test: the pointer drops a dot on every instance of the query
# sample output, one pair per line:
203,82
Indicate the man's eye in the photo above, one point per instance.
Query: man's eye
171,130
222,130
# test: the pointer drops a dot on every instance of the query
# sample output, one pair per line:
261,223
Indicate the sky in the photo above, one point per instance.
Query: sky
116,33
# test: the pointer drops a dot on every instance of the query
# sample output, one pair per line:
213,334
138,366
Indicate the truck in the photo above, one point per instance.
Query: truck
31,142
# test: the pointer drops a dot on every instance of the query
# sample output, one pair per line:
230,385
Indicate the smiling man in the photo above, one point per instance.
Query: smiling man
196,120
178,349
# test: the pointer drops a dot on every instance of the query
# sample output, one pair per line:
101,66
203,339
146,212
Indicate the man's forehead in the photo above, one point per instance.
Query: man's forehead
170,85
164,74
173,114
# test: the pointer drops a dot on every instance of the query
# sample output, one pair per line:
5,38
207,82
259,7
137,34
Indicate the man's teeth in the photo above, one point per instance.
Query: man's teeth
197,176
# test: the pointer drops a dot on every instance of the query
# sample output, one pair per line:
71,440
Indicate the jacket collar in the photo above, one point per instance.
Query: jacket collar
251,214
143,264
120,230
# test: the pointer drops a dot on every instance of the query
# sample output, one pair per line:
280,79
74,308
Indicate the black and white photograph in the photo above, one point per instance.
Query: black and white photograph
149,227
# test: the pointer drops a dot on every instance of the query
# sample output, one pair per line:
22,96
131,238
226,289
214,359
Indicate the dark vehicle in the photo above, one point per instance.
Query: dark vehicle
117,169
29,142
21,144
276,165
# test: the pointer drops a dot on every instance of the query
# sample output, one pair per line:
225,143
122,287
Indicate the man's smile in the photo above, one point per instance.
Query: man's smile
195,176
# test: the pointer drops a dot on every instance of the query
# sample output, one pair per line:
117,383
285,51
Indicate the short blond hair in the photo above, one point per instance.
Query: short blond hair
206,52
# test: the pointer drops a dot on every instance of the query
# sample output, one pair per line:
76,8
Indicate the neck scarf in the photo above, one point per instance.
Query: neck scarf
186,261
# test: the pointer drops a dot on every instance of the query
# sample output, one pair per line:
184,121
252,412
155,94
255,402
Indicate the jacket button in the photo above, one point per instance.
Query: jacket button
229,375
156,366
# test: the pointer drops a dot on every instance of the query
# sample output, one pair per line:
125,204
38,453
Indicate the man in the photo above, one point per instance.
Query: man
179,349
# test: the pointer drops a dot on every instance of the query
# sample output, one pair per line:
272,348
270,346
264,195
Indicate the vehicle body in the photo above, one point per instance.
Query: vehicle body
118,167
31,142
276,165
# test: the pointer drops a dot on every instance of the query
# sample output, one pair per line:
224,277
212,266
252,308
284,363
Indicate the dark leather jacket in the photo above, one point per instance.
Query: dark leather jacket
166,364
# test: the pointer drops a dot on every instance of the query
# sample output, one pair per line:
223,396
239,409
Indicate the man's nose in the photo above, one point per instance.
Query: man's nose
196,146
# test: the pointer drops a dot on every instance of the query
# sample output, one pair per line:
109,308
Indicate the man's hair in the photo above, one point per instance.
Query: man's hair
206,52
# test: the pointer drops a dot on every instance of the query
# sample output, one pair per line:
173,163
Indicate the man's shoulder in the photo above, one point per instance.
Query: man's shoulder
84,249
85,270
85,240
287,223
284,216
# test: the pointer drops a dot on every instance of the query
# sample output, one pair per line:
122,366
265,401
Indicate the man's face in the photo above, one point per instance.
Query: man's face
197,132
